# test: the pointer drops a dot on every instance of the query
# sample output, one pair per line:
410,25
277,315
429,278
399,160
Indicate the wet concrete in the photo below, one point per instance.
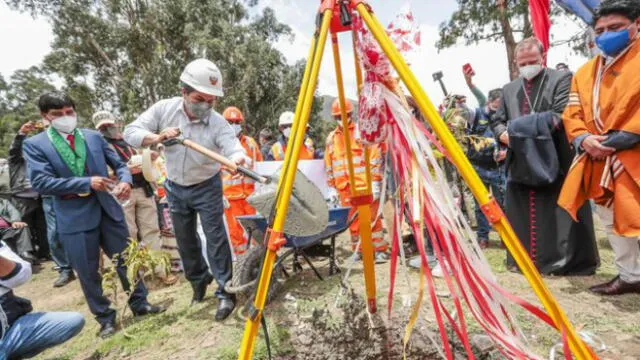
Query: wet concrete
308,213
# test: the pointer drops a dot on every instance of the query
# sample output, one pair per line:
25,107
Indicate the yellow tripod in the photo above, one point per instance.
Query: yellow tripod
331,11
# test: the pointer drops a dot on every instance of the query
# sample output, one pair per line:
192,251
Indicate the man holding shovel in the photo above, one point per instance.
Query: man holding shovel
194,185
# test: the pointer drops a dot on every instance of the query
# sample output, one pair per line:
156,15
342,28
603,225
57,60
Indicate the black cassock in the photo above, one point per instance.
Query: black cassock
537,163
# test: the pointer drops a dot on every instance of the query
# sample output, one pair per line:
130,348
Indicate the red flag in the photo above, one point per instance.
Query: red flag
540,20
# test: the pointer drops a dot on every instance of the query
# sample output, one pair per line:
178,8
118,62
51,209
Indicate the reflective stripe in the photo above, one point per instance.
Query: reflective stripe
377,235
232,182
356,160
277,151
358,170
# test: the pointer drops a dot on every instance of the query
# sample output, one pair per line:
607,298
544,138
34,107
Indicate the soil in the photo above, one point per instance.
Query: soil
313,319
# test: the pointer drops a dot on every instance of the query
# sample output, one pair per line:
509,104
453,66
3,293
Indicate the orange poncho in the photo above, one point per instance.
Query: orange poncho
615,182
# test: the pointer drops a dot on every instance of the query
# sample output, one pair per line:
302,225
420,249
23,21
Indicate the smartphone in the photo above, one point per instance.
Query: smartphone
467,69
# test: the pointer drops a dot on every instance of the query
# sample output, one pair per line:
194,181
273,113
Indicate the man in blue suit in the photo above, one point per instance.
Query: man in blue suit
71,164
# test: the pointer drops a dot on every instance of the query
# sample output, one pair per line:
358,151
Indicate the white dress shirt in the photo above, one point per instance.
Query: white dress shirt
184,166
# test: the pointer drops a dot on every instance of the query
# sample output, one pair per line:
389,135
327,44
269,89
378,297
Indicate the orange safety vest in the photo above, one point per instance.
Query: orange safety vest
337,168
236,189
306,153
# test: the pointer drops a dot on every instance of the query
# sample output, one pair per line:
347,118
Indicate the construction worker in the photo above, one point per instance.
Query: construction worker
279,148
194,183
336,166
237,189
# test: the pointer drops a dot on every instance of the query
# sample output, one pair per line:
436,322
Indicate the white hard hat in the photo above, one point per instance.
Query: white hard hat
204,76
286,118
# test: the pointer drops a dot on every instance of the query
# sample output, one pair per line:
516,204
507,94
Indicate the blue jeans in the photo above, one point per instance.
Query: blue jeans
55,245
204,199
33,333
493,180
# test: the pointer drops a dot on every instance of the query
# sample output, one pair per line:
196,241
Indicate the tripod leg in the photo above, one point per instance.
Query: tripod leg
578,347
333,268
364,209
274,234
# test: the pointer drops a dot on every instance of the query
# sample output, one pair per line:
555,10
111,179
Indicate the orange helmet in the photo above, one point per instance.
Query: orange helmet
233,114
335,108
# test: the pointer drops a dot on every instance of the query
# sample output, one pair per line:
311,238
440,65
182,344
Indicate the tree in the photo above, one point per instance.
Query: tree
124,55
504,21
18,102
488,20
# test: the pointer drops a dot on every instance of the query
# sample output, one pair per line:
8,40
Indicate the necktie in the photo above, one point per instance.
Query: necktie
71,139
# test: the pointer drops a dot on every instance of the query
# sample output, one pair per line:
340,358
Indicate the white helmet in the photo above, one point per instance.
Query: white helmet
286,118
204,76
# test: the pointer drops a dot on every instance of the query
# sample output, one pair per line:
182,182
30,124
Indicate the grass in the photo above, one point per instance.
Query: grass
185,332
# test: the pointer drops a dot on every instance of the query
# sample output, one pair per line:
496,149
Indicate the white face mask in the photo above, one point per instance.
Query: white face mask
237,128
530,71
286,132
65,124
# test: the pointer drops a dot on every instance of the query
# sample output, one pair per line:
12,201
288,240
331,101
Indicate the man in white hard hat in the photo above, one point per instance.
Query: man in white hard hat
193,184
279,148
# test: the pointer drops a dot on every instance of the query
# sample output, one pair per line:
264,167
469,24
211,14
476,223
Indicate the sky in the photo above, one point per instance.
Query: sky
488,59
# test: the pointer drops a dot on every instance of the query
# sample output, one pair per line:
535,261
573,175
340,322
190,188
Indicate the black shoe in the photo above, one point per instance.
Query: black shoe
30,258
225,308
45,258
200,289
64,278
148,309
107,330
616,287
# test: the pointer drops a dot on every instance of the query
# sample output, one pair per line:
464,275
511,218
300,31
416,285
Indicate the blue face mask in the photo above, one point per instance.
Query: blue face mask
613,42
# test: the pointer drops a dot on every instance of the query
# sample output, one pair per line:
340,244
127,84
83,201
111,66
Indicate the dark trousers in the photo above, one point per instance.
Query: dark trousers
33,215
493,180
19,240
204,199
83,252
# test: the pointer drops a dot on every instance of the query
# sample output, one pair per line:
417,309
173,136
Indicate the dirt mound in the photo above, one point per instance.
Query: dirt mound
346,332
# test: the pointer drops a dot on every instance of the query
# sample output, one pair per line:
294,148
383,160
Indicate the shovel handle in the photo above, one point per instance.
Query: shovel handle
225,161
253,175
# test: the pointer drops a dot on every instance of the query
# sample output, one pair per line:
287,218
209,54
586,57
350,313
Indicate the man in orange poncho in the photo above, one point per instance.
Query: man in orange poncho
602,120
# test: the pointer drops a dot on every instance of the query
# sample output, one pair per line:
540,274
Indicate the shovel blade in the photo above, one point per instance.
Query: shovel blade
308,212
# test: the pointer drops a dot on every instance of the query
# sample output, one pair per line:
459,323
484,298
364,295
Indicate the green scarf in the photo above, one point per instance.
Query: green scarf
75,160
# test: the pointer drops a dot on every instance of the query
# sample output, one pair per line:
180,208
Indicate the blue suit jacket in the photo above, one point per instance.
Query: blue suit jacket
51,176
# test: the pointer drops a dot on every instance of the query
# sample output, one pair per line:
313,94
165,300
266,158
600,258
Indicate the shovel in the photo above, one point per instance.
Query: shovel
308,213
